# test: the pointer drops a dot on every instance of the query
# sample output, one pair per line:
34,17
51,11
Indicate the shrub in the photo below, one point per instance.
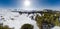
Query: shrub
27,26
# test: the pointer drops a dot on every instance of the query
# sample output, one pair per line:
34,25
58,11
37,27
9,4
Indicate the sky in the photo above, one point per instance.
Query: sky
30,4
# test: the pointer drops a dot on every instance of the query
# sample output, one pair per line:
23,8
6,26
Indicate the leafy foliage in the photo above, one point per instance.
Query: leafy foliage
49,19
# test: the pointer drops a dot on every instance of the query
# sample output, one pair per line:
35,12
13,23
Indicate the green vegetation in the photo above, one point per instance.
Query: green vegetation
4,27
48,18
1,27
27,26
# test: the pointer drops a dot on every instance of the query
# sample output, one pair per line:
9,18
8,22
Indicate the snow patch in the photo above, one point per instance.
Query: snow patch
56,27
18,21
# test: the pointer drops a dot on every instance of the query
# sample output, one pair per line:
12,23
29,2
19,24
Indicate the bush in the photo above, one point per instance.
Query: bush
27,26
